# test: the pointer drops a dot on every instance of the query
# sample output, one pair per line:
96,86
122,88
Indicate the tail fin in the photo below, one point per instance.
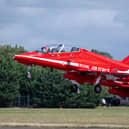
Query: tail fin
126,60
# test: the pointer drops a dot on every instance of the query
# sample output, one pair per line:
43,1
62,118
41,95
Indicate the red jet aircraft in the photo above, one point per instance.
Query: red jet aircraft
82,66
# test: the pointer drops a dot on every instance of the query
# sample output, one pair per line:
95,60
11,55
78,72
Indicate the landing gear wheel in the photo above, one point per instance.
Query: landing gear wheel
75,88
97,89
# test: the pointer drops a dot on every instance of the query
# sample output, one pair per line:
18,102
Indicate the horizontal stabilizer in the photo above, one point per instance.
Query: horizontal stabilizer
126,60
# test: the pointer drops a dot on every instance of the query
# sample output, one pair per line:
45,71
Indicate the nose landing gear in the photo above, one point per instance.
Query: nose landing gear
29,71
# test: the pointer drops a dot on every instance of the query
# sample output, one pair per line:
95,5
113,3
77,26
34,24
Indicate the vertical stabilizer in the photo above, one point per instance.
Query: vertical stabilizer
126,60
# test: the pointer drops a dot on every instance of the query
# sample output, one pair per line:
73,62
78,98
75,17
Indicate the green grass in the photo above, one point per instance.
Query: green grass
99,117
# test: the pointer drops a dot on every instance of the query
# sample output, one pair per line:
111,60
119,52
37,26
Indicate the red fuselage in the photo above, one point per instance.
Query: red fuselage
84,66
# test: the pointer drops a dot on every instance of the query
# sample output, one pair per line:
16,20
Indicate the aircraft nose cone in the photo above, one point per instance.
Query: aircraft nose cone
17,57
23,56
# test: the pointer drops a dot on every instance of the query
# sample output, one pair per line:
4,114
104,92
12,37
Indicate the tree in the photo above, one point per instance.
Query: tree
46,88
9,75
106,54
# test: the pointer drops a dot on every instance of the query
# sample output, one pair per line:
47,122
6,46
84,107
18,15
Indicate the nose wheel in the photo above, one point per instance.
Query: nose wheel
97,89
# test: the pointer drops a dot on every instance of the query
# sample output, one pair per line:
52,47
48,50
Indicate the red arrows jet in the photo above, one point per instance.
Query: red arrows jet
82,66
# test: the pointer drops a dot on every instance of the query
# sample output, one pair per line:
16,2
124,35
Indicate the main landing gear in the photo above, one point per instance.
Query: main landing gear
75,86
97,89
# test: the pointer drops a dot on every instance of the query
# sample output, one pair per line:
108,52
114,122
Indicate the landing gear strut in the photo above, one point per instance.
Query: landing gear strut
97,89
29,70
76,86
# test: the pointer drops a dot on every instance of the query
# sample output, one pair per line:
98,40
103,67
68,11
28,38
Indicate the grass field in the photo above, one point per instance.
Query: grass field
99,117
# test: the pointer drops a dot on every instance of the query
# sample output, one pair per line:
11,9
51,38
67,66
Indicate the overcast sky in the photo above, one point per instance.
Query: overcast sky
89,24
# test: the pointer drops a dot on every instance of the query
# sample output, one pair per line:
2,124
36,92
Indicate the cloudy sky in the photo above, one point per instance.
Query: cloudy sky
90,24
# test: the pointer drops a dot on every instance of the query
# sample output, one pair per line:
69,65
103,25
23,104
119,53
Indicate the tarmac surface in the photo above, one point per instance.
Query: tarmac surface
46,128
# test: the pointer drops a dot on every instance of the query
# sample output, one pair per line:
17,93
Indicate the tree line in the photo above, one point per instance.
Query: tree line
47,88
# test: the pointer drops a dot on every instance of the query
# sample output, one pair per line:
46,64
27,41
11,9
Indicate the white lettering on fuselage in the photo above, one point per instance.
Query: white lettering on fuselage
103,69
85,66
94,68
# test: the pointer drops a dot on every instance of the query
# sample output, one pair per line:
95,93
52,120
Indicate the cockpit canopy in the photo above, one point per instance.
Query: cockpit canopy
57,49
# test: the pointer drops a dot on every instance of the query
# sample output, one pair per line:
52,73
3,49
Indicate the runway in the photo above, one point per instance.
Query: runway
46,128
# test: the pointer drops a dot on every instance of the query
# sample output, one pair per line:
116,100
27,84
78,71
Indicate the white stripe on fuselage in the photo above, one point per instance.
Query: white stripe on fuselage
123,71
51,60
